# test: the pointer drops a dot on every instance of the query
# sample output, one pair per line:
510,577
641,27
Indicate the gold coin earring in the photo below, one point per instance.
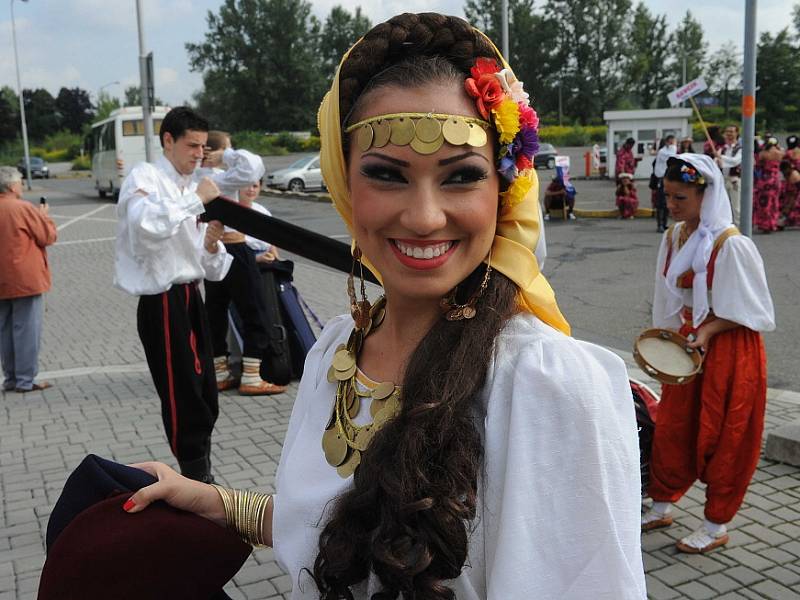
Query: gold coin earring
359,309
458,312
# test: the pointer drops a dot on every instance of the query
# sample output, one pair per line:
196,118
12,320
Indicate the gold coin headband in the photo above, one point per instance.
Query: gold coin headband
424,132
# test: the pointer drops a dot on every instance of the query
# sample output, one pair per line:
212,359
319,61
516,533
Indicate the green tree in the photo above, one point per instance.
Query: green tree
649,45
105,104
340,31
532,46
593,38
133,97
9,115
40,113
74,108
724,71
779,80
796,20
689,45
260,65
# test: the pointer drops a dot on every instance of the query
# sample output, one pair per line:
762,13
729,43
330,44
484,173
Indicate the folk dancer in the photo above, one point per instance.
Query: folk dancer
163,251
710,283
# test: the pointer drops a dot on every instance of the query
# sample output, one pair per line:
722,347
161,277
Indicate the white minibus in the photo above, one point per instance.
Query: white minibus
116,144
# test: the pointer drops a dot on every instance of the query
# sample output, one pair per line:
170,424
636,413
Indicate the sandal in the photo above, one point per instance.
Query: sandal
262,388
701,541
36,387
653,519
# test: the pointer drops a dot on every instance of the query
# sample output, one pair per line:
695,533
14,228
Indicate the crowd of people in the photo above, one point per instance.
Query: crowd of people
776,181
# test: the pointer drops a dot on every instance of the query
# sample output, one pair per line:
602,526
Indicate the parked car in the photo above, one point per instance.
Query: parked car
546,157
301,175
39,168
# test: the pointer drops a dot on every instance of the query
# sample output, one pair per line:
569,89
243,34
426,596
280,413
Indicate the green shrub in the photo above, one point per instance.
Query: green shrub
289,141
64,141
257,142
57,155
311,144
572,135
82,163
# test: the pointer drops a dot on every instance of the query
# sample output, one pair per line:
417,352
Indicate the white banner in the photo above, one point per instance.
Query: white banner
694,87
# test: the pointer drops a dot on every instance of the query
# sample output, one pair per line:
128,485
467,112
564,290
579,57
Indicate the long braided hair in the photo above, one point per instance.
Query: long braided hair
407,517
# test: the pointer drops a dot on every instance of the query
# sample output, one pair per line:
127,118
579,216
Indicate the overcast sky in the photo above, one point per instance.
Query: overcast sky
91,43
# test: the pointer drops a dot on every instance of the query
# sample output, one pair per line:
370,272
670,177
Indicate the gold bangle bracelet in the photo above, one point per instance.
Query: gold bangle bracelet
245,512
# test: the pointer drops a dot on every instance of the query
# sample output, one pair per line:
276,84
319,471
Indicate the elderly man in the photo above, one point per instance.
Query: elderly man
25,231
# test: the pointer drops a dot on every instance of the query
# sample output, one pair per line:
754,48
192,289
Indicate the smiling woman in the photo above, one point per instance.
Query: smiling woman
450,440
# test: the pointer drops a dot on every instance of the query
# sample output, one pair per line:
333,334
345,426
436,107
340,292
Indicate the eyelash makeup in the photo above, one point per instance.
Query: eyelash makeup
463,176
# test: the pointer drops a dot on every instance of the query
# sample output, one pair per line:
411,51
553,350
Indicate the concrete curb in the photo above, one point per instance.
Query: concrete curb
73,175
326,197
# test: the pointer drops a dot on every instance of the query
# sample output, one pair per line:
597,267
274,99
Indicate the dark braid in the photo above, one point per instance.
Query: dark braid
407,517
403,37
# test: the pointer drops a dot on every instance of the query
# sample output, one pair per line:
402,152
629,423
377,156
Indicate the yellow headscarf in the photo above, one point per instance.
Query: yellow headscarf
517,231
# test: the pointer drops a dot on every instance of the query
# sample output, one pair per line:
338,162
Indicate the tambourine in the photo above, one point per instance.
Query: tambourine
666,356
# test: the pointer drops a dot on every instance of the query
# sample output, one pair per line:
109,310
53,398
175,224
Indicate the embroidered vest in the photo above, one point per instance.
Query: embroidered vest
686,280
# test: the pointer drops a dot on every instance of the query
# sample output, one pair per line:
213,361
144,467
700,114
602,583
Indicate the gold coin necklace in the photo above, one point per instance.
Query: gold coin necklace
344,441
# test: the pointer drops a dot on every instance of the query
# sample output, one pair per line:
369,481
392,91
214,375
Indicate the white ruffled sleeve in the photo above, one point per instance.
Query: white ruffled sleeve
739,290
562,498
662,296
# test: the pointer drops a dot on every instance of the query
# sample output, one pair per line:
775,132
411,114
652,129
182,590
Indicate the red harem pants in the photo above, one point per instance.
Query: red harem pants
710,429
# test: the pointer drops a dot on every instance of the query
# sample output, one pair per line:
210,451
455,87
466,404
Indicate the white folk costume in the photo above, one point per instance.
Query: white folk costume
715,273
161,257
559,502
558,492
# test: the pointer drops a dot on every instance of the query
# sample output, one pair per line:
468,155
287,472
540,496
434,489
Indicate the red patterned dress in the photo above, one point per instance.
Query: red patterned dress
627,201
766,195
793,156
626,163
790,203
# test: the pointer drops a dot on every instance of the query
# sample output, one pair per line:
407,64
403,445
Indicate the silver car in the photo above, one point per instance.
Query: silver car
301,175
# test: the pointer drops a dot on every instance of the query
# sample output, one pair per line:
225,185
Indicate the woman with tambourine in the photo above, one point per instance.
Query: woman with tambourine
711,286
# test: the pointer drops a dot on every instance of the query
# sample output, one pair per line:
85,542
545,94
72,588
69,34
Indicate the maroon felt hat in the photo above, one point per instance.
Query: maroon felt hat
160,552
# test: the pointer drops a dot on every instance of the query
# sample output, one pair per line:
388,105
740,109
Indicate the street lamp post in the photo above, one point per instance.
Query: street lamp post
21,101
146,85
104,86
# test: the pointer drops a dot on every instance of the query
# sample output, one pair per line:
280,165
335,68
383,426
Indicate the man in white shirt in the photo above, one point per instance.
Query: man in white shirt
162,252
730,161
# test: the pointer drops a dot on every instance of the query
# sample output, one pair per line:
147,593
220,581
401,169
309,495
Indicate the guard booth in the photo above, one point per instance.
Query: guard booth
647,127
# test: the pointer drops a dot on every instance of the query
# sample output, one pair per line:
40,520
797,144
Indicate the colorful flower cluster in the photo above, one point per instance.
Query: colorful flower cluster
690,175
500,97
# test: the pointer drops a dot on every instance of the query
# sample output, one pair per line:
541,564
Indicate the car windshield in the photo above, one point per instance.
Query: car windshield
35,160
546,148
299,164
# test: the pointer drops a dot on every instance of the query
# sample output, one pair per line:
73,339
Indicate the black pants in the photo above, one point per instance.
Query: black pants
661,207
242,285
174,328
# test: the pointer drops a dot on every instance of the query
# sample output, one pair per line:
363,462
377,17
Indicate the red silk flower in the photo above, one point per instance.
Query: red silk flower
484,66
487,91
523,162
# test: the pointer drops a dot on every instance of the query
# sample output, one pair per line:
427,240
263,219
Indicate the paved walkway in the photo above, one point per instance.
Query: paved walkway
103,402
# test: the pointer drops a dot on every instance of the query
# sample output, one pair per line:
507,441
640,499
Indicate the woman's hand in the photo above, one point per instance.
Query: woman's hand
177,491
702,337
268,256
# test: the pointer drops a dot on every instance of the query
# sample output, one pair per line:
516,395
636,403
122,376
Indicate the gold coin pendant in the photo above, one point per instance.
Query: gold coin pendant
402,131
382,131
477,136
364,137
428,129
456,131
334,446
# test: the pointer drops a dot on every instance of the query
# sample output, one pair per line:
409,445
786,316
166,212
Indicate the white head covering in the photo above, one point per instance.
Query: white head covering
715,217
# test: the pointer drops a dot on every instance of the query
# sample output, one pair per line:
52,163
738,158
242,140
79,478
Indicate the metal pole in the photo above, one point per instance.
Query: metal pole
21,102
748,118
144,85
504,28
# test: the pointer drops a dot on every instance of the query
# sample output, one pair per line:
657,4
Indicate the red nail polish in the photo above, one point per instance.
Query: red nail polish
129,504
